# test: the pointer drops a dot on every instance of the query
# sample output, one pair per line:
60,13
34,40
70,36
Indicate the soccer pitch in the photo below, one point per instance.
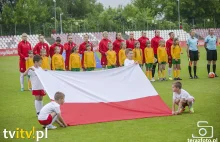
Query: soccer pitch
17,111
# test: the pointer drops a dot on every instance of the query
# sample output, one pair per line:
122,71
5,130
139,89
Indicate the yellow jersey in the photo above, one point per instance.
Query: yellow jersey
45,63
74,61
162,54
29,62
138,56
111,58
89,59
121,57
149,55
176,51
58,62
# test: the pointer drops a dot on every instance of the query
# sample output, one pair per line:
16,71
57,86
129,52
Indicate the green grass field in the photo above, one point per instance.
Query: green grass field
17,111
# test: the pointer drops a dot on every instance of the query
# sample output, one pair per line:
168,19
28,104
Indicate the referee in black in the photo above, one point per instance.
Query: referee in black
210,46
193,53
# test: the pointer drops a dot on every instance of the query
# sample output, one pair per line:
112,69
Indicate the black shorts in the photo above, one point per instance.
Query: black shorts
193,55
211,55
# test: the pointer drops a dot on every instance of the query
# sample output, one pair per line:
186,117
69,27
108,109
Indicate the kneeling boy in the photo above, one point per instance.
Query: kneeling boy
181,98
51,112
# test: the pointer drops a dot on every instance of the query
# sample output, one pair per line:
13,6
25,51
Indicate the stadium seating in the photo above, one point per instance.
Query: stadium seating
95,37
181,34
8,42
204,32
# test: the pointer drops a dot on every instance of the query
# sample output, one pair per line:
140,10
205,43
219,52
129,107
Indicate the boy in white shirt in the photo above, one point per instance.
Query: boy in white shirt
181,98
51,112
129,60
37,87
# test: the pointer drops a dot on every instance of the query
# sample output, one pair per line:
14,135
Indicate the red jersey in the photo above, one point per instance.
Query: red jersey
130,43
143,41
169,43
155,43
23,48
68,48
39,46
82,49
116,45
103,46
116,48
52,49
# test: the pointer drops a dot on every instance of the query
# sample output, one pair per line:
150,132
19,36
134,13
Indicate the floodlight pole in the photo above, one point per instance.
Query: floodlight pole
61,27
55,15
179,12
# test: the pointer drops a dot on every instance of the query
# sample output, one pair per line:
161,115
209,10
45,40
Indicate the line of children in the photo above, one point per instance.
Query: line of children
122,55
74,60
29,63
111,57
89,59
181,98
162,59
175,52
57,60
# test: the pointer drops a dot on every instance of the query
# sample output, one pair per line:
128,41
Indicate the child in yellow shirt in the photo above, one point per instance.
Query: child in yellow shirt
45,60
57,60
89,59
29,63
75,61
149,59
122,55
175,53
111,57
162,59
138,55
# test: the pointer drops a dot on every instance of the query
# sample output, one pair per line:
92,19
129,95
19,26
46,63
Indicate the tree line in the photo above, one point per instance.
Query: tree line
38,16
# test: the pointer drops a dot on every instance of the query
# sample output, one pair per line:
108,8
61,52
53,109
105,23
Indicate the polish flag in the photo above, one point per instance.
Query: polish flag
107,95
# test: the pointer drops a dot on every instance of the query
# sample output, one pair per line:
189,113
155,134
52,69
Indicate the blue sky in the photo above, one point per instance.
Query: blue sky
114,3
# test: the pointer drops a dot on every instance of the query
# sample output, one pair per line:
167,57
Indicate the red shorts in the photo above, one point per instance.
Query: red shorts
103,60
22,66
38,93
170,59
46,122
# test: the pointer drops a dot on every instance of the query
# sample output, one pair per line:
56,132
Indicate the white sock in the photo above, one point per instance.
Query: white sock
169,71
38,105
22,80
41,104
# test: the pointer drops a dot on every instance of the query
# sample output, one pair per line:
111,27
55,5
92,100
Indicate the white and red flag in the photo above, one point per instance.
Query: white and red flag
106,95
